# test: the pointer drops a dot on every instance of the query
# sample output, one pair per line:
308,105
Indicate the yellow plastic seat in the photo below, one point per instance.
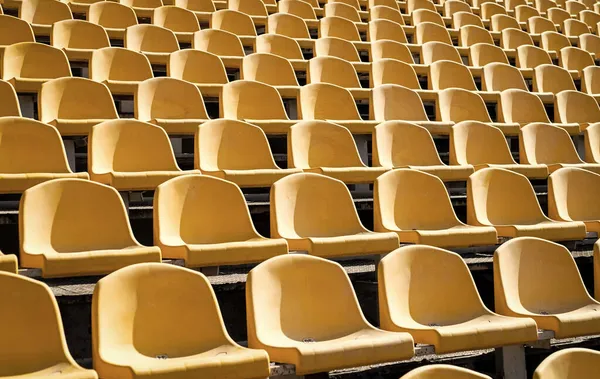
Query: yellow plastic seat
131,155
234,22
121,70
428,31
430,293
302,9
573,58
333,26
336,47
398,144
457,104
270,69
531,57
455,6
569,364
78,38
506,200
553,41
417,207
559,15
279,45
205,221
501,77
201,68
339,337
9,106
542,143
256,103
539,279
525,12
342,10
155,42
382,12
83,237
386,30
539,25
425,15
500,22
8,263
203,9
471,34
328,149
180,21
590,43
27,65
256,9
14,30
219,42
483,146
336,71
30,311
490,10
394,102
413,5
173,104
435,51
316,214
42,14
288,25
190,339
439,371
592,143
571,197
114,17
575,28
577,107
388,3
513,38
554,79
383,49
543,5
460,19
31,153
143,8
591,19
74,105
238,152
392,71
79,7
512,4
447,74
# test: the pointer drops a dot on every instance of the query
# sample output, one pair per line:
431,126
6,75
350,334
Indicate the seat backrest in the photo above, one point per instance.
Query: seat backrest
391,71
386,48
236,22
454,6
226,144
325,101
500,22
394,102
196,66
471,34
460,19
333,26
342,10
14,30
551,78
439,371
73,223
321,144
110,14
523,107
169,98
413,5
385,29
481,54
525,12
246,99
457,104
543,5
332,70
575,28
35,61
513,38
532,57
9,106
554,41
558,15
382,12
30,311
475,143
592,143
591,19
197,5
310,205
538,25
568,364
79,34
590,82
388,3
574,58
298,8
129,145
218,42
249,7
447,74
29,146
543,143
425,15
571,195
578,107
502,76
75,99
268,68
428,31
279,45
151,39
496,196
148,4
44,12
490,9
116,63
574,7
287,25
176,19
336,47
436,51
590,43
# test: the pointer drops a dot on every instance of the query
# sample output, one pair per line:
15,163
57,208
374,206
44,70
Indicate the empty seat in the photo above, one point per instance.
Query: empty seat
113,17
180,21
500,22
430,293
551,78
336,71
569,364
386,30
336,47
42,14
502,76
143,8
417,207
539,25
592,143
388,3
573,58
288,25
437,51
173,104
342,10
482,146
577,107
531,57
339,27
471,34
328,149
234,22
316,214
428,31
78,38
121,70
439,371
558,15
513,38
575,28
447,74
203,9
27,65
14,30
392,71
506,200
270,69
489,10
383,49
590,43
299,8
591,19
398,144
394,102
460,19
155,42
131,155
238,152
256,9
9,106
457,104
279,45
552,292
191,335
455,6
8,263
84,237
541,143
382,12
30,311
201,68
425,15
218,42
341,337
413,5
525,12
553,41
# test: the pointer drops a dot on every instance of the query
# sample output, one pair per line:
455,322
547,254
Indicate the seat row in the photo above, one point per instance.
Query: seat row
427,295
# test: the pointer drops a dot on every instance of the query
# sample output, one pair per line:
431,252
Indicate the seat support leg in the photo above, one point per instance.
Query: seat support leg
510,362
579,145
362,144
70,150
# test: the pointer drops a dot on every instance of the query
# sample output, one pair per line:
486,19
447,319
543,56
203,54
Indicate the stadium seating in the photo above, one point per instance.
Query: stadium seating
592,143
121,70
180,21
168,336
282,46
289,331
290,26
551,146
513,38
143,8
435,51
8,263
131,155
238,152
440,371
328,149
384,48
82,237
272,70
30,311
482,146
577,107
552,291
393,71
235,22
430,293
13,30
173,104
575,28
491,203
481,54
573,58
383,12
399,200
42,14
471,34
500,77
203,9
338,27
590,83
9,106
74,105
316,214
201,68
384,30
553,79
114,17
336,71
154,41
335,47
553,41
445,74
569,364
398,144
78,38
531,57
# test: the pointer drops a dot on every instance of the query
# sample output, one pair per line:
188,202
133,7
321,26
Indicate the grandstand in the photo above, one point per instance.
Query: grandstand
245,189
